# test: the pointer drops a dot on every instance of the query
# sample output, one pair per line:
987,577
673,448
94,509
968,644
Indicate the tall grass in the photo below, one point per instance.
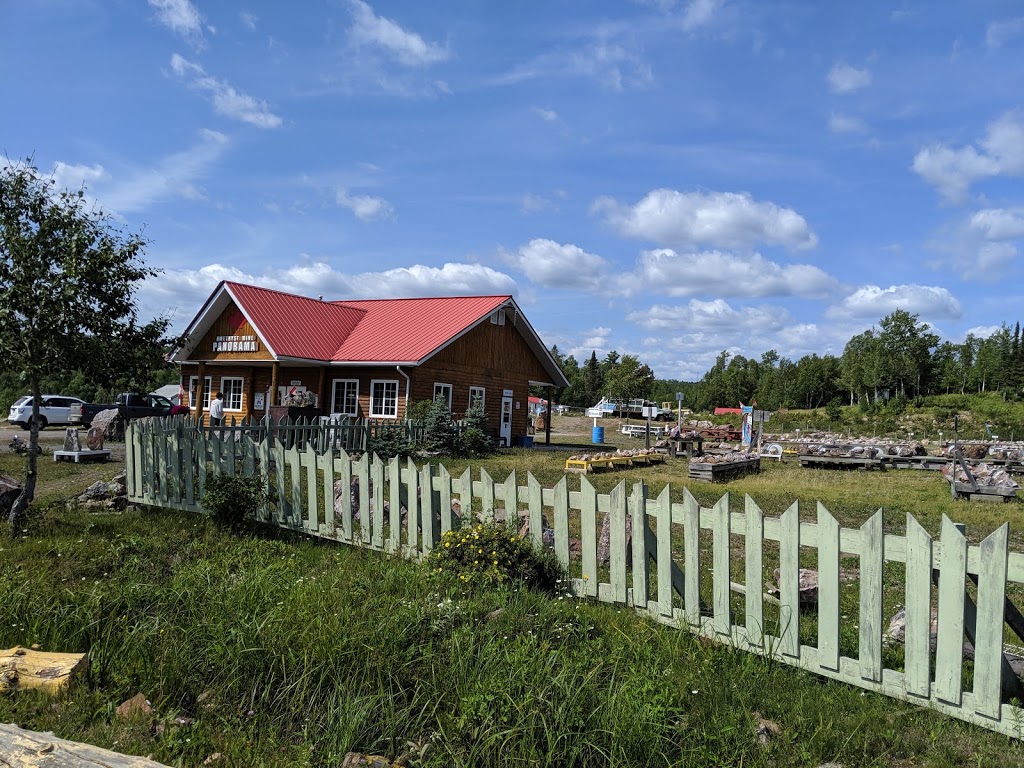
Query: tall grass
284,651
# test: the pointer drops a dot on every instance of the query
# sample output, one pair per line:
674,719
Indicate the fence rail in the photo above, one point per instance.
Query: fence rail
629,548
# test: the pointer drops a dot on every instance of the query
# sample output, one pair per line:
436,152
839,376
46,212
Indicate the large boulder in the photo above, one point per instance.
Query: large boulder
111,423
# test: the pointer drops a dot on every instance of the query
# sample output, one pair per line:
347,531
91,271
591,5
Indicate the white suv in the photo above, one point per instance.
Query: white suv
53,411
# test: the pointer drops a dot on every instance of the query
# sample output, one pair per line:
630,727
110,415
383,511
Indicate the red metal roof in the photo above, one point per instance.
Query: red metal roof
409,330
295,326
402,331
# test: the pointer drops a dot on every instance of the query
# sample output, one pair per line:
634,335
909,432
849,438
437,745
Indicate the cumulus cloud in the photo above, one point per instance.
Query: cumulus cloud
703,317
844,78
180,292
873,302
181,17
999,223
226,99
724,274
952,171
365,207
998,33
719,219
408,48
71,176
559,265
839,123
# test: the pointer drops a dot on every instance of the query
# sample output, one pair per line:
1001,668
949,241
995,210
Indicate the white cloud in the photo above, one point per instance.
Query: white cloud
181,17
548,115
699,13
557,265
174,176
871,301
408,48
248,20
844,78
615,65
720,219
722,274
839,123
534,203
715,317
182,291
952,171
982,331
365,207
74,177
999,32
999,223
226,99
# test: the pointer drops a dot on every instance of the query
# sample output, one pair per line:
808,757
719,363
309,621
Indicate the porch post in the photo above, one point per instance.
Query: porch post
250,391
320,393
200,384
551,411
274,370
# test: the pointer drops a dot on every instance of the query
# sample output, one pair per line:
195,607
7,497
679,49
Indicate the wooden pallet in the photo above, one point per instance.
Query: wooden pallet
916,462
716,472
841,462
985,493
612,462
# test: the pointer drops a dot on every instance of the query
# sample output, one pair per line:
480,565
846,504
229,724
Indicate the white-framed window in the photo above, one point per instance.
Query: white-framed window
345,397
443,392
498,318
477,397
384,399
192,397
231,386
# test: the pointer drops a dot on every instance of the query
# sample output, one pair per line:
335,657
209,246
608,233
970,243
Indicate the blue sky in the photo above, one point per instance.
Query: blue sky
665,179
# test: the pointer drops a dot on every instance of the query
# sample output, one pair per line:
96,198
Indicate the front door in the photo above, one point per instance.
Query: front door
505,428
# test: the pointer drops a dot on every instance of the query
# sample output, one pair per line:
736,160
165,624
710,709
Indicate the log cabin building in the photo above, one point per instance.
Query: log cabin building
367,359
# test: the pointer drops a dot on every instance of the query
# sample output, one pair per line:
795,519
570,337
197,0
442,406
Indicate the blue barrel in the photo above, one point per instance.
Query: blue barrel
598,435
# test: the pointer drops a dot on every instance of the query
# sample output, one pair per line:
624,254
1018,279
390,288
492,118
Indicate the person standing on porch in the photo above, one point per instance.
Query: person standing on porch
217,411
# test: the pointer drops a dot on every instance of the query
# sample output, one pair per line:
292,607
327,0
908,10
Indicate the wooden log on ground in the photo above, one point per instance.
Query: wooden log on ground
26,668
24,749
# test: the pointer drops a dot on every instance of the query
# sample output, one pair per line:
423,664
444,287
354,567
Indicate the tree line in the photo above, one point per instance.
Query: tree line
900,359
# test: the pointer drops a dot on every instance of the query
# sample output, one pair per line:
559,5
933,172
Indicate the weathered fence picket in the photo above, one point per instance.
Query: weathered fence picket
399,507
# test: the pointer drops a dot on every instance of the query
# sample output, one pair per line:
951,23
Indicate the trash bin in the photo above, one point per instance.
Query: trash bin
598,435
525,441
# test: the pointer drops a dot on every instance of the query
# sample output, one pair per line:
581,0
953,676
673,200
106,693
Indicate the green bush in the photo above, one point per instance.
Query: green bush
390,441
491,553
228,499
834,409
442,433
474,441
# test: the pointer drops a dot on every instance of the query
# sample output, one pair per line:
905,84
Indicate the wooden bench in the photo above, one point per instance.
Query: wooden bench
723,471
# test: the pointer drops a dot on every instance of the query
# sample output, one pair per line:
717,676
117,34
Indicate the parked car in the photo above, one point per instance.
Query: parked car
131,405
54,411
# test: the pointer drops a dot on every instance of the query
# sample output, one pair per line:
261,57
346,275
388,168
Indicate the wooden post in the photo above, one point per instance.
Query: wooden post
275,369
200,383
250,391
547,422
320,394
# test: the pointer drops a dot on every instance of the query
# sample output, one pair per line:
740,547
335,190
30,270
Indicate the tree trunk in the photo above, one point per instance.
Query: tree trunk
28,492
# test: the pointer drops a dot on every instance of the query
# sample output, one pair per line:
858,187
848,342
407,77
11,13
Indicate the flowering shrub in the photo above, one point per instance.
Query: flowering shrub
491,553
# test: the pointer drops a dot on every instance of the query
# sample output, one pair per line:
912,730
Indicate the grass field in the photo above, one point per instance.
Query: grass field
271,649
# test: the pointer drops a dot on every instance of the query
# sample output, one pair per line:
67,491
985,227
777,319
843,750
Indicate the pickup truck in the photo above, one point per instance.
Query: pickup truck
131,405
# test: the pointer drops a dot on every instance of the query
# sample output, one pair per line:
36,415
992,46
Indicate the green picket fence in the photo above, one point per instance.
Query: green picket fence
397,507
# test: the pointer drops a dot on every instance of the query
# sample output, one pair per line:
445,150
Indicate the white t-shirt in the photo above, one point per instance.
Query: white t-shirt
217,409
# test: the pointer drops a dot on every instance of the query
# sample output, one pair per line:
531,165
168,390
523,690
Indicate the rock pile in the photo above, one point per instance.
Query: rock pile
987,476
103,496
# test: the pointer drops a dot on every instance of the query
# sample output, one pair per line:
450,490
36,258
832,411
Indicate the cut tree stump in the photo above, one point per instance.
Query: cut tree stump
26,668
29,749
